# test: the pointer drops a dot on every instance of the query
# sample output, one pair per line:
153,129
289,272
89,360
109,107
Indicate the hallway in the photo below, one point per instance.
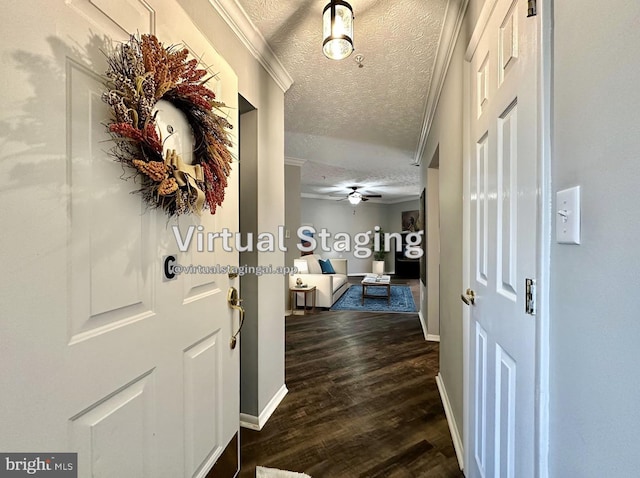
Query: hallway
362,402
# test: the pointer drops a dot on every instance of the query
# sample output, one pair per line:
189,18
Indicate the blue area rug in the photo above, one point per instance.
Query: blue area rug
401,300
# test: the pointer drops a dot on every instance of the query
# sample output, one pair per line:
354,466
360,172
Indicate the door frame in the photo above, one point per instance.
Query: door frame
543,240
433,248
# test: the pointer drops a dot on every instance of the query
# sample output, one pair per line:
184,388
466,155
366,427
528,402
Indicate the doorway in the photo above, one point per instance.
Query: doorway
248,166
433,247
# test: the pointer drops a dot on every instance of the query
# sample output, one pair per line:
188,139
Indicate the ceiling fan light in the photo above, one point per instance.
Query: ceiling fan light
355,198
337,30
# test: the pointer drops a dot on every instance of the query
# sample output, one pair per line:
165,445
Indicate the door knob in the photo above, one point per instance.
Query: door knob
233,299
469,297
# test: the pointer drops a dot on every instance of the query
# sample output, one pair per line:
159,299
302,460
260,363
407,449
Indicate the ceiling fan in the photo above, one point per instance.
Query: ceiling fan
355,196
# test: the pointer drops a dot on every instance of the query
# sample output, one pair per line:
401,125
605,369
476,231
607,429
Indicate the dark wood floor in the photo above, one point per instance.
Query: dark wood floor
362,402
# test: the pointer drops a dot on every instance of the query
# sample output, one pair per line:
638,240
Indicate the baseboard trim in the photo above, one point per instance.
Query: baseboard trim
423,324
257,423
432,338
453,427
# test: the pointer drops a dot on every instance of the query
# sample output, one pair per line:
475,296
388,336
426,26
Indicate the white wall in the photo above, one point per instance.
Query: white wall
446,137
259,88
595,326
338,216
394,212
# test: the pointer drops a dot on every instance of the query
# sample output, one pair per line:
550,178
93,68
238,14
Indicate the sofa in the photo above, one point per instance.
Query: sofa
329,287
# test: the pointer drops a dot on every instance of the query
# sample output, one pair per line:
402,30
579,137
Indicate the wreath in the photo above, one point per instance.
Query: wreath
140,73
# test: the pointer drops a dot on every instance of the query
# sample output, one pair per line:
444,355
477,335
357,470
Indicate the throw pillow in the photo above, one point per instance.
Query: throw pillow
327,267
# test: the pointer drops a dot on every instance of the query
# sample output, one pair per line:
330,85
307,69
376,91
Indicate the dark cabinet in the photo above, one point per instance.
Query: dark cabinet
405,266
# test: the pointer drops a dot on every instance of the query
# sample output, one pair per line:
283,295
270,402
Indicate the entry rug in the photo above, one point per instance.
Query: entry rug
401,300
262,472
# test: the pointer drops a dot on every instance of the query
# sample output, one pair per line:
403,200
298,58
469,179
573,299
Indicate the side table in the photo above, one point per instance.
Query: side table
294,300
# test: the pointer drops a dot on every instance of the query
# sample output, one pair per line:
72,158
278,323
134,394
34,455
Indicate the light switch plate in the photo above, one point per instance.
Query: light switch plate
568,216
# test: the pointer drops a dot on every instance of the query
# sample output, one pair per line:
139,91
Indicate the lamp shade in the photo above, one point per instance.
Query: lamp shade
337,30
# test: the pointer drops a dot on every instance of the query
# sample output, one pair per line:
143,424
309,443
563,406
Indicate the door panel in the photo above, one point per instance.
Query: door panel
202,392
481,173
104,255
480,403
128,415
507,216
505,414
133,372
503,218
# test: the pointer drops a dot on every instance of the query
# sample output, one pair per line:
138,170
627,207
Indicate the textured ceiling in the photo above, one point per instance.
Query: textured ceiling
355,125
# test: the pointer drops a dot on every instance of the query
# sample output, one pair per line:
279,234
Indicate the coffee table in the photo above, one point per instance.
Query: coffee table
376,281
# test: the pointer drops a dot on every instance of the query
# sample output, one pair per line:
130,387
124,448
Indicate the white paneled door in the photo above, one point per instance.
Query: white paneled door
503,155
100,355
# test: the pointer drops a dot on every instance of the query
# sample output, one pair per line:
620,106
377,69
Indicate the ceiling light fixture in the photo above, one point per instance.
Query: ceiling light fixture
337,30
355,198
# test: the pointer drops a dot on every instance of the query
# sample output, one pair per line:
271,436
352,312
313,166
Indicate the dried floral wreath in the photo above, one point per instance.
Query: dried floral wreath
141,72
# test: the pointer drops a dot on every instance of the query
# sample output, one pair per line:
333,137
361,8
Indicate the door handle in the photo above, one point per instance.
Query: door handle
233,299
469,297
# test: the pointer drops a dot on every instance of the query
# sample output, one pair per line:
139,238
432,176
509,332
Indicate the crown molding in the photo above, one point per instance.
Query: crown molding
238,20
453,17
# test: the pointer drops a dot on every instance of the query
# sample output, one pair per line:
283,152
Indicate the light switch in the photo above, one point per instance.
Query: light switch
568,216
